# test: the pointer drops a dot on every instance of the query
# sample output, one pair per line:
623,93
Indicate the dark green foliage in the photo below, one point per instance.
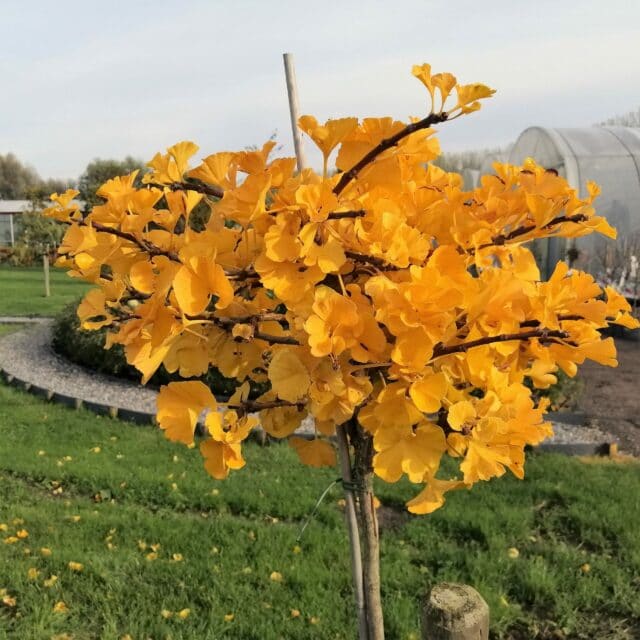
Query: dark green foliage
564,395
37,236
86,348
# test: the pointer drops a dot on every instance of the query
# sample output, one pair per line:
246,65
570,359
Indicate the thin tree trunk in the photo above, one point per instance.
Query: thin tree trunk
354,534
368,524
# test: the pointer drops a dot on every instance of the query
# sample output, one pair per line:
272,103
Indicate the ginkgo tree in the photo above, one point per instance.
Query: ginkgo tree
401,312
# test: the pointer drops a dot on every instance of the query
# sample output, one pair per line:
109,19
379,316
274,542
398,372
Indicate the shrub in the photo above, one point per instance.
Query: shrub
86,348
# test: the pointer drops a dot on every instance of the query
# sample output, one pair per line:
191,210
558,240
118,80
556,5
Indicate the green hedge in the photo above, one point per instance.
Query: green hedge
86,348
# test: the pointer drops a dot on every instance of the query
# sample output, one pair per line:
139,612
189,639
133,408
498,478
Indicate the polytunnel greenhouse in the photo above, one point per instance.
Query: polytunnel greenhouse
609,156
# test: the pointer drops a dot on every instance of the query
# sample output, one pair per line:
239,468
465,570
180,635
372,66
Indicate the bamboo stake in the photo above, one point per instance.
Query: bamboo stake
354,535
292,92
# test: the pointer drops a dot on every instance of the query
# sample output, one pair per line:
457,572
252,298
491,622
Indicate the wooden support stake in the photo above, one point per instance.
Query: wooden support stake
455,612
45,265
292,91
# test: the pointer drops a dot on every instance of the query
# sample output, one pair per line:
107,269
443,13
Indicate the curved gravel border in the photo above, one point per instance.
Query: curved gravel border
28,361
27,358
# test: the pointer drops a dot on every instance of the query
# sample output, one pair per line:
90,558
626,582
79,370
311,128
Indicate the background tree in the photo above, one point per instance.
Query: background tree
630,119
457,161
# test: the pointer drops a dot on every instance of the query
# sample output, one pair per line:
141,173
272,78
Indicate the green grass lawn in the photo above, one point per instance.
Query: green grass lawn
22,291
100,492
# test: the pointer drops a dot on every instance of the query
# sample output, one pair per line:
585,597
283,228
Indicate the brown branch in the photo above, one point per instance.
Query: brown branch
561,318
250,405
379,263
227,323
520,231
340,215
141,243
257,317
199,187
258,335
544,334
387,143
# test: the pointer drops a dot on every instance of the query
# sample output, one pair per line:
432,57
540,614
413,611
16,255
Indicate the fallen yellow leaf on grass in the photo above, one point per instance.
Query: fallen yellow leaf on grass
184,614
295,613
75,566
513,553
32,573
49,582
276,576
60,607
22,534
166,614
45,551
229,617
177,557
9,601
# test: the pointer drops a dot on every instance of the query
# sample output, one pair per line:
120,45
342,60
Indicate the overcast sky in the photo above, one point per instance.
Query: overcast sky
86,79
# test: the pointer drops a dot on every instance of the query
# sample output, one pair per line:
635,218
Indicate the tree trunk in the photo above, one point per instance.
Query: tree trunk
368,527
354,534
370,559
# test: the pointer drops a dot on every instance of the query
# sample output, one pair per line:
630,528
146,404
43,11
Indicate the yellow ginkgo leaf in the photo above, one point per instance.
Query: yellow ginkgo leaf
195,283
179,405
469,96
92,311
427,393
220,457
288,376
315,453
328,136
432,496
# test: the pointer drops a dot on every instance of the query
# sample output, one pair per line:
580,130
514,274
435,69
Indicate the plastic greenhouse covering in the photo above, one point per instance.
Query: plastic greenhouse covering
609,156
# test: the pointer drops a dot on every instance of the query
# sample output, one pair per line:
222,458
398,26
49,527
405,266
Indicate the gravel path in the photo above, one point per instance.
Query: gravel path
28,356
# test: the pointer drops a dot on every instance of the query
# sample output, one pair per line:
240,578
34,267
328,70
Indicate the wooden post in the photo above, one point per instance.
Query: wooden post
455,612
292,91
11,230
45,266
